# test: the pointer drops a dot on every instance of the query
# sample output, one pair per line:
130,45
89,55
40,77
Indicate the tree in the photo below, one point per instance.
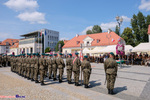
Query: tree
88,32
57,46
47,49
128,36
96,29
117,30
139,25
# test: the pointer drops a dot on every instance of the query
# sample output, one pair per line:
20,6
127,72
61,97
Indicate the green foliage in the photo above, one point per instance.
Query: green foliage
117,30
128,36
96,29
88,32
139,25
47,49
57,46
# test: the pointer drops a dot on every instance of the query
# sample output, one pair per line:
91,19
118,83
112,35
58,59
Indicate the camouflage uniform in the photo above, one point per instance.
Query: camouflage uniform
0,60
49,62
42,63
69,65
25,61
61,66
76,70
19,65
46,67
111,68
33,62
36,69
54,68
86,68
28,62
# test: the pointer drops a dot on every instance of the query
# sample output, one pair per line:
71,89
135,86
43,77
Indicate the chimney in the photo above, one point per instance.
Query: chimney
77,35
109,30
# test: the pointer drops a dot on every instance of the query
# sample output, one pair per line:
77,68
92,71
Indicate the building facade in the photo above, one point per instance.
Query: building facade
38,41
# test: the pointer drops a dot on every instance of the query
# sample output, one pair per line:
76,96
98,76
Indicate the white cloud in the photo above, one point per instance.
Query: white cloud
126,19
4,36
64,38
21,5
84,31
145,5
33,17
110,25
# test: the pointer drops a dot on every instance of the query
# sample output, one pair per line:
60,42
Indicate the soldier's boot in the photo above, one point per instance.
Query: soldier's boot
32,79
28,78
50,77
37,81
108,91
77,84
42,83
111,92
60,80
54,79
69,82
86,86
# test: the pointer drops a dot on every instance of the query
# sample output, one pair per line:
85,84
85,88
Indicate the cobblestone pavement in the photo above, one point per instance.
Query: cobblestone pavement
132,83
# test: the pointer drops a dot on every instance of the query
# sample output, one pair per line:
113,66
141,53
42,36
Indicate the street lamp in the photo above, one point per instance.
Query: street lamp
119,20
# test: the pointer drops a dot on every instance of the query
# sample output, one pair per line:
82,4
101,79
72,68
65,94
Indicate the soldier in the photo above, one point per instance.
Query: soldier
33,62
11,62
19,64
76,69
4,60
36,68
49,61
46,66
0,60
61,66
28,62
42,63
69,65
111,68
54,67
25,66
86,68
22,65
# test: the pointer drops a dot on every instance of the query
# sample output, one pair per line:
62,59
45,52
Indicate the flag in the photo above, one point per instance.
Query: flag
41,33
81,55
45,32
112,40
119,39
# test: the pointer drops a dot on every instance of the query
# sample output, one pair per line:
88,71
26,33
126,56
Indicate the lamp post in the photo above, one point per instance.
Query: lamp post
119,21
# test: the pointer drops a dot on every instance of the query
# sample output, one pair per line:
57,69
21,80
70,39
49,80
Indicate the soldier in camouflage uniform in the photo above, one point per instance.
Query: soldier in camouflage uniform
54,67
42,63
49,61
46,66
36,68
19,64
69,65
22,65
0,60
76,69
28,62
111,68
61,66
86,68
25,66
11,62
4,59
33,62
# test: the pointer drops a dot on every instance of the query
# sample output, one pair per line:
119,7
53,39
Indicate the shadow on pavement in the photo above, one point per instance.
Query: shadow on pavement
94,84
124,66
120,89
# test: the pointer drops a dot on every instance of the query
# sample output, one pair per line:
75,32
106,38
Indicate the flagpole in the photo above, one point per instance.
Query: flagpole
41,42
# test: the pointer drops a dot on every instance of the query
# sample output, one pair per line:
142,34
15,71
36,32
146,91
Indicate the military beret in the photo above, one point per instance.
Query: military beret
50,55
86,56
55,54
76,53
46,54
43,54
0,54
70,54
112,53
60,54
34,54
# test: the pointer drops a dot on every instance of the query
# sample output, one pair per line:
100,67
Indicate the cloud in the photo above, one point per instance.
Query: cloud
27,9
126,19
106,26
21,5
145,5
33,17
84,31
5,36
64,38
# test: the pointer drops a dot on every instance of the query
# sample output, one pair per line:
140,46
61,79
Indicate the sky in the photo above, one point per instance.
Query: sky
68,17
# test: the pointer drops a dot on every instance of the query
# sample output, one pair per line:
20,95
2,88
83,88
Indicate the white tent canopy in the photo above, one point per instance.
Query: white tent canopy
86,50
128,48
142,47
111,48
96,49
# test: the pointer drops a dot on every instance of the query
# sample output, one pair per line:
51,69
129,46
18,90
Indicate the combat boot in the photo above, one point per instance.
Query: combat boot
42,83
111,91
32,79
37,81
69,82
77,84
54,79
50,77
108,91
60,81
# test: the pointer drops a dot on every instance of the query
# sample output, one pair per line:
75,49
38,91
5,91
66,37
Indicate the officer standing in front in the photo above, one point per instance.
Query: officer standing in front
111,69
86,68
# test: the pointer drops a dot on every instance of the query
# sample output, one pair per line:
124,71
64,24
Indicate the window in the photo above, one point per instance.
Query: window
98,40
48,43
48,37
87,42
78,42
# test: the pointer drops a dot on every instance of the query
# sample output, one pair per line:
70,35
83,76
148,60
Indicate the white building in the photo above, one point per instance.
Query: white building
38,41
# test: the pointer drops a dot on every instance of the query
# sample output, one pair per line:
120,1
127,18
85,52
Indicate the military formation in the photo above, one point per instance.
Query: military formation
37,67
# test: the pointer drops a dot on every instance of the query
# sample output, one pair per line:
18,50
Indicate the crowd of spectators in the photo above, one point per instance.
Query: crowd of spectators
130,59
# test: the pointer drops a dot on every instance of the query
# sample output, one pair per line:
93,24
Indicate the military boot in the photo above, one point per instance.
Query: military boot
42,83
32,79
108,91
111,91
37,81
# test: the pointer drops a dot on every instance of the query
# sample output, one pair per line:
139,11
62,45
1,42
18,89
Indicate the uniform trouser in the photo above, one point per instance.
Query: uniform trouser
54,71
25,71
35,74
86,77
46,71
42,73
32,72
28,72
110,81
61,71
50,72
69,74
76,76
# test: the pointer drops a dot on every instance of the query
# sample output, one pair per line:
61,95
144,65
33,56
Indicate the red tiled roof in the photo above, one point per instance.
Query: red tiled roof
148,30
16,45
113,40
65,41
9,41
